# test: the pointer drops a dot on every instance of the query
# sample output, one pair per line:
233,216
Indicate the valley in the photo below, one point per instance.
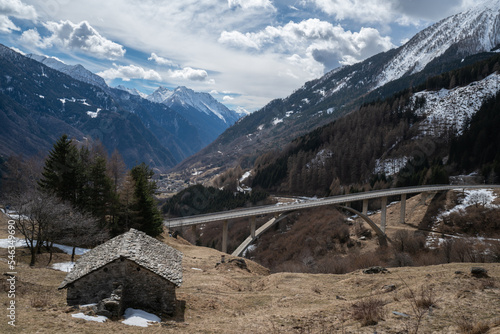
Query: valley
367,199
229,297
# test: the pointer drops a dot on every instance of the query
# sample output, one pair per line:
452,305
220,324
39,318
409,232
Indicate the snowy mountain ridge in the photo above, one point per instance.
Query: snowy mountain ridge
203,102
132,91
160,95
473,31
77,72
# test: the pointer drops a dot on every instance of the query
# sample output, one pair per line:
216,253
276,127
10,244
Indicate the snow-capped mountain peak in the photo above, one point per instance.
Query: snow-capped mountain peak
203,102
473,31
160,95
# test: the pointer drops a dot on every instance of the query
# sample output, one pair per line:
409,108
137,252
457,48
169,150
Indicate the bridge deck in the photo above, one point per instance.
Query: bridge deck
269,209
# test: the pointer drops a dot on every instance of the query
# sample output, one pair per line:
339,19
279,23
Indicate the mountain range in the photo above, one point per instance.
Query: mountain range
43,98
454,42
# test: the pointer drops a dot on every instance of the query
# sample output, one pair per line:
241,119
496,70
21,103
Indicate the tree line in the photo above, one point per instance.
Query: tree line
79,197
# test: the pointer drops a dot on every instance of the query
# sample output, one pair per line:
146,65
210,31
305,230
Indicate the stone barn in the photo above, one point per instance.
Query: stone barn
130,270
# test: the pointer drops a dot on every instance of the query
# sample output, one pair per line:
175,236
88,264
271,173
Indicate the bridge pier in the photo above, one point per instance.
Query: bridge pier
252,227
403,209
224,236
383,213
365,207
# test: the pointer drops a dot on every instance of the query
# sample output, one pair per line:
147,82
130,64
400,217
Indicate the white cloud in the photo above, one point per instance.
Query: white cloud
237,39
246,4
14,8
227,98
126,73
312,39
160,60
403,12
189,74
360,10
31,37
82,37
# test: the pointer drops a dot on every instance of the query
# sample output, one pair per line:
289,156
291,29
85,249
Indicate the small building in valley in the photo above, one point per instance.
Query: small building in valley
130,270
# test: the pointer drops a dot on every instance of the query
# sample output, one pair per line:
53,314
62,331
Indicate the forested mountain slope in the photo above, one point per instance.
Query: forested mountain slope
402,140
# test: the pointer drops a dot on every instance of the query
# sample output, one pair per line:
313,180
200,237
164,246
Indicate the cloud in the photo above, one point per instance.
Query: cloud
403,12
31,37
126,73
359,10
189,74
312,39
246,4
227,98
186,73
82,37
160,60
17,9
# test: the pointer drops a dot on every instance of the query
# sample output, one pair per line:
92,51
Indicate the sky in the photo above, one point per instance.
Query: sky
244,52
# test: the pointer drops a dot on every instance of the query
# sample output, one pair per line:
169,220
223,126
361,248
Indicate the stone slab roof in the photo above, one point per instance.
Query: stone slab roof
136,246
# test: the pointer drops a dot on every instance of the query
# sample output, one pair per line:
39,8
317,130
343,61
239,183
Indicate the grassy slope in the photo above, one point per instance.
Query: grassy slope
226,299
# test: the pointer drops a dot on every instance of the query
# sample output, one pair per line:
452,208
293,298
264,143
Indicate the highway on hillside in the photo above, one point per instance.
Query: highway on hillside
270,209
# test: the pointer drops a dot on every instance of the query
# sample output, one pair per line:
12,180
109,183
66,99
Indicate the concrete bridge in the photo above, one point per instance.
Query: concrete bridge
280,211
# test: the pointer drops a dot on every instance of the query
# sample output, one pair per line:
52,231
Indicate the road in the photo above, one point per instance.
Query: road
274,209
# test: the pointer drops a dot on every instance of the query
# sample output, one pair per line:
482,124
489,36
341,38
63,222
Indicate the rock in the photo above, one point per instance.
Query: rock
389,288
479,272
112,307
459,272
375,270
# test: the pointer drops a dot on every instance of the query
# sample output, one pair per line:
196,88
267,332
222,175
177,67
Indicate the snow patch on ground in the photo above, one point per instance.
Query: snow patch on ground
483,197
134,317
63,266
5,243
98,318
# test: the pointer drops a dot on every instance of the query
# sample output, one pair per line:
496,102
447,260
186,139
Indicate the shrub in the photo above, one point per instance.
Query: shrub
468,325
368,311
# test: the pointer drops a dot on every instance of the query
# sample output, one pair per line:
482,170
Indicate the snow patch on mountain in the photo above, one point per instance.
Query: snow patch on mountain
321,158
476,30
450,109
390,166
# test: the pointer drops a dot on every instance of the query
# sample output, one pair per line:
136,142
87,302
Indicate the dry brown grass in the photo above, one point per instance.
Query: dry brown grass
227,299
469,325
369,311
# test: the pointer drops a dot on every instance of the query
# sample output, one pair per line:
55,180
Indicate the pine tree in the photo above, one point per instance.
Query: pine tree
62,171
99,190
148,218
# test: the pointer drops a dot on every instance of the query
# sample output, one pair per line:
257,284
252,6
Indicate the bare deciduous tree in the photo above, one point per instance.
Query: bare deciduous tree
43,219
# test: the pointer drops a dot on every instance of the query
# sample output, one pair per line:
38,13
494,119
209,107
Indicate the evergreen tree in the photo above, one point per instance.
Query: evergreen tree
148,217
99,190
61,172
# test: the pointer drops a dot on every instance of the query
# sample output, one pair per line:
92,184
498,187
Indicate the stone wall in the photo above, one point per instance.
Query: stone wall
141,288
